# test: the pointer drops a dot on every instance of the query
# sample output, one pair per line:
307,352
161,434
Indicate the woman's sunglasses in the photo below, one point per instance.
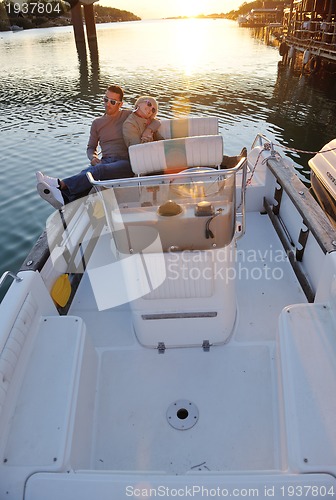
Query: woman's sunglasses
150,105
111,101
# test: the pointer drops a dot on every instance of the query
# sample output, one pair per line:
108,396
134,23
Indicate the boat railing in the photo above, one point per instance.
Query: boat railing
10,274
288,180
323,32
296,216
262,141
164,178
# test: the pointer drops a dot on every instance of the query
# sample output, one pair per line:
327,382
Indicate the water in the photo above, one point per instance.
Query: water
49,95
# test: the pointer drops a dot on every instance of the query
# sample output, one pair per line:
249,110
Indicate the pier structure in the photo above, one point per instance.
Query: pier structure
306,35
78,10
260,17
309,29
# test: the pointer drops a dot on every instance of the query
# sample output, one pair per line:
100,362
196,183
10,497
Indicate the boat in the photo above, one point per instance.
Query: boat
257,18
14,27
242,20
323,178
173,334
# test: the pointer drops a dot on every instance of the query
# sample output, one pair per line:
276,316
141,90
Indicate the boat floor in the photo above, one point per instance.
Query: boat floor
234,386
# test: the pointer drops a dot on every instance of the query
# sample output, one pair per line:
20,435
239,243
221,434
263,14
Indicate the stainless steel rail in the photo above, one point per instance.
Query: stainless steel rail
195,172
203,173
12,275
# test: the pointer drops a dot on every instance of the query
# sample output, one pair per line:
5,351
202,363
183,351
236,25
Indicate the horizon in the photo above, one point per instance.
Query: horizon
158,9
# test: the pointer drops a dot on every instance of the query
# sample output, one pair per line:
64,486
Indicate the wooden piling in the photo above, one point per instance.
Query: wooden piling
90,22
77,22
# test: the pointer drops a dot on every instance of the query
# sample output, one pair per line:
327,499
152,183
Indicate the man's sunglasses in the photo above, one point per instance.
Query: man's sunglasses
111,101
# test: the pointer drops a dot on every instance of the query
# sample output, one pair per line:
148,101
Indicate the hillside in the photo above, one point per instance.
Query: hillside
48,13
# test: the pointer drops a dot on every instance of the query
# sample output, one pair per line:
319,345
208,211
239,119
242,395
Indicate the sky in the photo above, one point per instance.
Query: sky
153,9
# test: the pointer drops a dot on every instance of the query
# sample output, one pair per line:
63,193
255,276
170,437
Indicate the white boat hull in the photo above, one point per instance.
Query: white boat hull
95,406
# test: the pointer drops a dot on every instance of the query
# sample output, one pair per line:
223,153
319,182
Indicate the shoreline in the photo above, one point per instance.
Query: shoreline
66,21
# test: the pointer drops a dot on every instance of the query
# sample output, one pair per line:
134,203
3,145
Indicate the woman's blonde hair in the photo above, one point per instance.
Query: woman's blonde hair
145,98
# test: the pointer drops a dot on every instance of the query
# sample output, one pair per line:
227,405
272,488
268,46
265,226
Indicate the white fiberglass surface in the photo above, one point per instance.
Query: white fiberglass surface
233,386
265,284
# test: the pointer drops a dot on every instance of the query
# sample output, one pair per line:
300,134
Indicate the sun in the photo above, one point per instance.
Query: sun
192,7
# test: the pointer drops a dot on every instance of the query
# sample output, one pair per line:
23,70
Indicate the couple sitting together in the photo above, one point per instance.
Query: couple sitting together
115,131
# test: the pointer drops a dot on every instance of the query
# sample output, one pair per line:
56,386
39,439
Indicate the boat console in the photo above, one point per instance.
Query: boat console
176,233
193,211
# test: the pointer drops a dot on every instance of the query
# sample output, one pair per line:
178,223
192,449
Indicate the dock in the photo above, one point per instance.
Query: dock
306,36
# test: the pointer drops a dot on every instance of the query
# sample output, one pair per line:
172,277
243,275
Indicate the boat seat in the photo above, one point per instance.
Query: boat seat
90,484
307,350
173,155
174,128
23,304
62,363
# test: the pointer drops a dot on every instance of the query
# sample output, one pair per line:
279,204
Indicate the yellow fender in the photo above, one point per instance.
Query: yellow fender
61,290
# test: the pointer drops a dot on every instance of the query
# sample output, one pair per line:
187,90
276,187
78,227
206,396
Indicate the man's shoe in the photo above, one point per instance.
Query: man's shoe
243,153
232,161
229,161
52,181
51,194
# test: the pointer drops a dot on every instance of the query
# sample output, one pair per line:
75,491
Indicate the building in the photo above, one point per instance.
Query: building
310,28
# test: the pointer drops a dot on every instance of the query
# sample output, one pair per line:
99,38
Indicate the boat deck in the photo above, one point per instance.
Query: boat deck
92,411
233,386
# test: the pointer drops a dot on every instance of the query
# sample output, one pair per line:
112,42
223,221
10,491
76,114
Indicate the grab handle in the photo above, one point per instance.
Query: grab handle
12,275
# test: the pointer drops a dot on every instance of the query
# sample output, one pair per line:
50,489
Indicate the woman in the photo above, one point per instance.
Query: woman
135,127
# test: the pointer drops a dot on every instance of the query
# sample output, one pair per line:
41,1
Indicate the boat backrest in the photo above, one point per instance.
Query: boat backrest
175,128
172,155
306,353
20,313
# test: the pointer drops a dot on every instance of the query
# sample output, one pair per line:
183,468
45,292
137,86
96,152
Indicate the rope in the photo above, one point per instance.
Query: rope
249,180
303,151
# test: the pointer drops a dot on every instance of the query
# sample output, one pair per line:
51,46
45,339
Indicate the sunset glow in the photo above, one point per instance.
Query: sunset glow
192,8
190,55
156,9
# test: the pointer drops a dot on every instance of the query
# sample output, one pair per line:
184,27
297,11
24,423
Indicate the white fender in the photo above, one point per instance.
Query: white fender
306,56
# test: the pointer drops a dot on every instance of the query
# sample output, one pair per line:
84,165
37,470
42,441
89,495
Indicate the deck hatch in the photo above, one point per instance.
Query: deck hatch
182,414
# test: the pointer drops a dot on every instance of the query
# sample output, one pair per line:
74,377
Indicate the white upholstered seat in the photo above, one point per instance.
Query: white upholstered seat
176,154
175,128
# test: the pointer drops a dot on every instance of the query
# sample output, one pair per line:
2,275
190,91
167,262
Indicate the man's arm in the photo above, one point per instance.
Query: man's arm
148,133
91,149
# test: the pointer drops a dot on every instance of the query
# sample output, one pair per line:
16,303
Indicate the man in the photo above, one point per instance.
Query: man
114,164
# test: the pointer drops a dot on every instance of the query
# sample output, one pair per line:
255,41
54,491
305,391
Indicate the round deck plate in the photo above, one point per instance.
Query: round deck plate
182,414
